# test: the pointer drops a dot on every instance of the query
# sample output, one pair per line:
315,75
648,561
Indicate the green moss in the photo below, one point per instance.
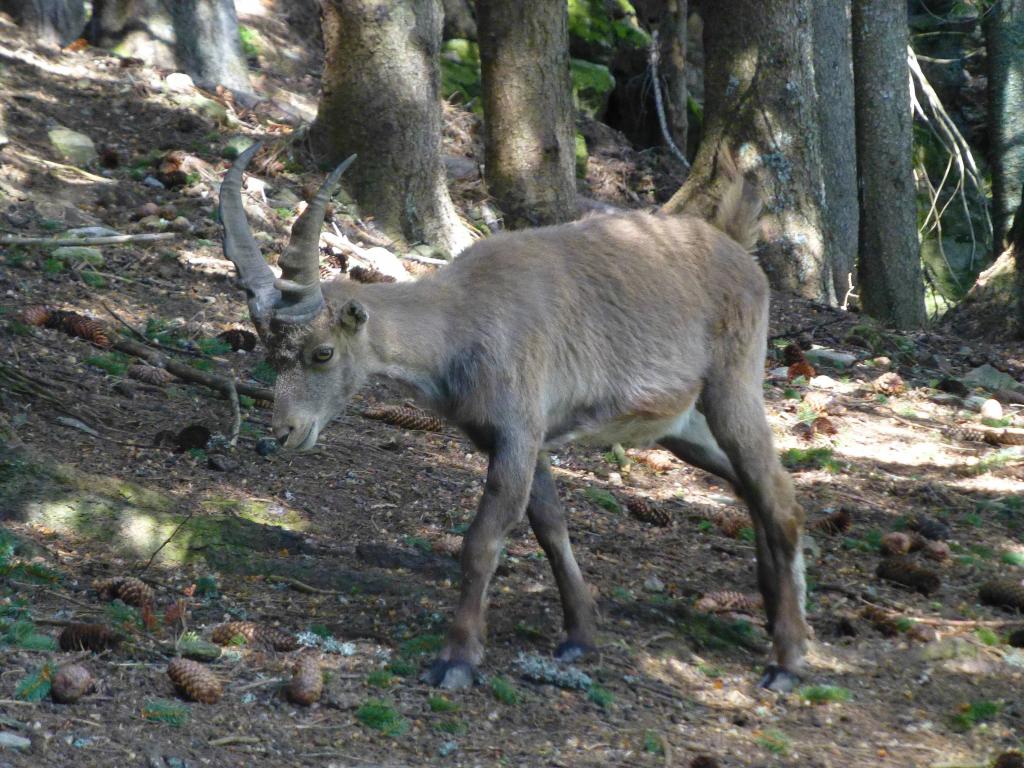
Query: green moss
582,157
250,40
380,678
601,696
114,363
460,71
441,704
775,741
824,694
591,85
381,716
504,691
814,458
421,646
592,21
603,499
974,713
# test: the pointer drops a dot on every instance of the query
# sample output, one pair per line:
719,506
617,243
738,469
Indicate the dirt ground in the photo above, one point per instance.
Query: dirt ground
354,544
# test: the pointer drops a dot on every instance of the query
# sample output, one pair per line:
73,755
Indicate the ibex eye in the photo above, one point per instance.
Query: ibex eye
323,354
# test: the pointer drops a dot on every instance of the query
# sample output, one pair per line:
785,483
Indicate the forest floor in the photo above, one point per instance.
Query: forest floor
354,543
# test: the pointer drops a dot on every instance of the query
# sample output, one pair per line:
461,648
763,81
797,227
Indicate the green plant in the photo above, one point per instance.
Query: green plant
213,346
454,727
113,363
381,716
976,712
380,678
775,741
418,543
601,696
441,704
987,636
37,684
804,458
172,713
1012,557
504,691
53,266
603,499
824,694
263,371
653,743
401,668
421,646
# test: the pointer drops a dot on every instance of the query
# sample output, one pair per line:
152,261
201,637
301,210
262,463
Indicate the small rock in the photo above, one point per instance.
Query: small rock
179,82
266,446
948,648
447,748
152,181
823,382
991,409
151,222
222,463
75,148
283,198
9,740
181,224
654,584
145,210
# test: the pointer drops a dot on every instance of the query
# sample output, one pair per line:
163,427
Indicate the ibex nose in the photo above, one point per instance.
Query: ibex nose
283,434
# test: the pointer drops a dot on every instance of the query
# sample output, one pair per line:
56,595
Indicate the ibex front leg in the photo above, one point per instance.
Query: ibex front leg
509,476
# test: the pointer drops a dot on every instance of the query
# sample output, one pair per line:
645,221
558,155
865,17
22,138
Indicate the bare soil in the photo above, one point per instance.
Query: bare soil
358,539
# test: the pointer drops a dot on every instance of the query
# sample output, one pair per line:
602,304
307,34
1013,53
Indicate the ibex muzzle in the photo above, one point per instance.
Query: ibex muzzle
623,327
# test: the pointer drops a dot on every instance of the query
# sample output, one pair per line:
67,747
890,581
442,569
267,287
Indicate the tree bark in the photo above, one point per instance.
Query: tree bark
51,21
672,34
760,104
380,99
198,37
833,76
529,131
459,21
1004,35
889,267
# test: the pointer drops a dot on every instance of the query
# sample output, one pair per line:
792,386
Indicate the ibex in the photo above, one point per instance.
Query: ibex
627,327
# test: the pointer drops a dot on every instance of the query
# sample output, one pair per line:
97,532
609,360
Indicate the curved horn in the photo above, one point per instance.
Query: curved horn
301,297
239,246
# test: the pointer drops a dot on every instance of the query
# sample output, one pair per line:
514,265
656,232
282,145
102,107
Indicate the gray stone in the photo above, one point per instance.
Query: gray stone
76,148
9,740
832,357
152,181
988,377
284,198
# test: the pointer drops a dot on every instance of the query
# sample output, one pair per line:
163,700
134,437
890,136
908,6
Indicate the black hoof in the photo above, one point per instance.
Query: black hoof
571,651
778,679
450,675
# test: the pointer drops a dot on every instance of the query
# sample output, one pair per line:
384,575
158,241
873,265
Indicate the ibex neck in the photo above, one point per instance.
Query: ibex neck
407,330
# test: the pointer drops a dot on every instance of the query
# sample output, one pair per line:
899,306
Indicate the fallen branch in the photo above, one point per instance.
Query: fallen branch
300,586
659,103
224,741
190,374
145,237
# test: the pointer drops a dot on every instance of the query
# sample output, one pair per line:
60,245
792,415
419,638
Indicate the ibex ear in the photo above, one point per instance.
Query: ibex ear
352,316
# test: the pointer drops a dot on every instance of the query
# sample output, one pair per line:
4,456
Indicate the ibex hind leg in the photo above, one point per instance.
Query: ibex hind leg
549,526
694,444
735,414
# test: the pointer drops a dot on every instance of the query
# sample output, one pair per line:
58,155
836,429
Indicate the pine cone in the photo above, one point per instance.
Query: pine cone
36,315
254,634
900,570
730,524
648,512
405,416
369,275
823,426
1003,593
726,600
70,683
889,384
239,339
149,374
881,619
307,683
838,522
929,528
56,319
127,589
895,543
88,637
194,681
802,368
1009,760
88,329
937,551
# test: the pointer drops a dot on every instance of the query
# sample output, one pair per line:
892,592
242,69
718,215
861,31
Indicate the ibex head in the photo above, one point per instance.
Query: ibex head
316,348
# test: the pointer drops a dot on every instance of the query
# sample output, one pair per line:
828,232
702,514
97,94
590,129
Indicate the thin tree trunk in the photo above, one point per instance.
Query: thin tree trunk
1004,34
889,267
51,21
459,21
672,31
833,75
760,104
380,99
529,133
198,37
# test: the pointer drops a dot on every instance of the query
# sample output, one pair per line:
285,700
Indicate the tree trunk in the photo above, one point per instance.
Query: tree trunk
1016,237
51,21
1004,34
199,37
760,103
672,33
833,76
380,99
529,131
889,267
459,21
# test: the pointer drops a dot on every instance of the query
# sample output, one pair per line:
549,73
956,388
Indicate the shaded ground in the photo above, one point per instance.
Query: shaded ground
356,539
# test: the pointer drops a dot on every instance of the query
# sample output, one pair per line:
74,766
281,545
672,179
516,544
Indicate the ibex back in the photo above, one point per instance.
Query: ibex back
620,328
